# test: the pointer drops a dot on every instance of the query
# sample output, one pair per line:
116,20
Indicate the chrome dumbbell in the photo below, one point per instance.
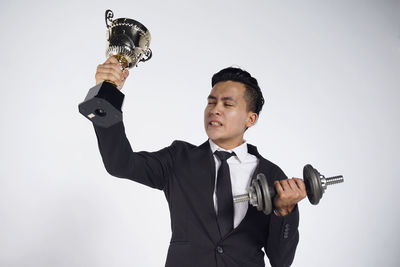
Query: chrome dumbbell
260,193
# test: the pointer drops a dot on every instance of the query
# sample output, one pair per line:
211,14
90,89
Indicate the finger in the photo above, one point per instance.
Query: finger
302,187
285,185
110,69
279,188
125,74
111,59
114,67
292,184
300,183
296,192
116,74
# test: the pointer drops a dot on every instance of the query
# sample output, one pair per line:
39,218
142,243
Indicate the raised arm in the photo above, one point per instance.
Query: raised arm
149,168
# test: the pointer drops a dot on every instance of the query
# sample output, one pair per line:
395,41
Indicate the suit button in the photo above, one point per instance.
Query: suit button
220,250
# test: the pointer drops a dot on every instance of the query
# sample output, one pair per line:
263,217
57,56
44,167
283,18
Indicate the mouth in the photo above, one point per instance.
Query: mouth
215,124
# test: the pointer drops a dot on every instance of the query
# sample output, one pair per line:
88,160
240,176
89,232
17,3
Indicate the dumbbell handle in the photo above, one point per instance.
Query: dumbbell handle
241,198
324,181
246,197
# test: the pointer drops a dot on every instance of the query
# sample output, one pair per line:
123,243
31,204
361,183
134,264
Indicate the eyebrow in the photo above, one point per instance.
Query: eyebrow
224,98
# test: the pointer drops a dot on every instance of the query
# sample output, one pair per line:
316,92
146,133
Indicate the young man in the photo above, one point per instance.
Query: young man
208,229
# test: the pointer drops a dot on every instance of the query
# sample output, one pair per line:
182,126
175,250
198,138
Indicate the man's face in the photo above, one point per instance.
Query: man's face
226,116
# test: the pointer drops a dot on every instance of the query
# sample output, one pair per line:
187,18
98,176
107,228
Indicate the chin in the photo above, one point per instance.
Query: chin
213,136
216,137
216,134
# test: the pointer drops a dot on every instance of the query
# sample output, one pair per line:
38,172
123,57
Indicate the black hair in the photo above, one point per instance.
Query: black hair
252,95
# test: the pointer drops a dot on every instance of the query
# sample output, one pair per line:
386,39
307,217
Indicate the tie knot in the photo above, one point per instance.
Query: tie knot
223,155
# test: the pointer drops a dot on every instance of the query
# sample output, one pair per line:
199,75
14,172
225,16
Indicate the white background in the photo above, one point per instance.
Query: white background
329,71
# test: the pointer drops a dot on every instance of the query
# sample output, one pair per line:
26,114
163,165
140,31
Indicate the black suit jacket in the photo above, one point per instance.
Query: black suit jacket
186,174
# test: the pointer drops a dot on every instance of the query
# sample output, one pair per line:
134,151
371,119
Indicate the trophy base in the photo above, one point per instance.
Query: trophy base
102,105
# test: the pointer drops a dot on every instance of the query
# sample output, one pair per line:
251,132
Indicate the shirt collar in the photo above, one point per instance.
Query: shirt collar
240,151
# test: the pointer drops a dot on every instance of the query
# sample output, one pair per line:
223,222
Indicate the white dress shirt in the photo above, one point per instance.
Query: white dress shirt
241,169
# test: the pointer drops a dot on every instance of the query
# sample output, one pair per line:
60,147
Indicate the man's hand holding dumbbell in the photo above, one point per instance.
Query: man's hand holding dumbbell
289,193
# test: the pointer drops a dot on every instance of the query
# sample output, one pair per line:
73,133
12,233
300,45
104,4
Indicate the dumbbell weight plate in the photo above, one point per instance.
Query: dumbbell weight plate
266,197
313,184
257,188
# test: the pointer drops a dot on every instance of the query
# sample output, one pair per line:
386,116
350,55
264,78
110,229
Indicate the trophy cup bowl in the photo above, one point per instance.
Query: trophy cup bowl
128,41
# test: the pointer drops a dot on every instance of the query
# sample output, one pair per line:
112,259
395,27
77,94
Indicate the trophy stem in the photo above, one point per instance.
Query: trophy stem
122,60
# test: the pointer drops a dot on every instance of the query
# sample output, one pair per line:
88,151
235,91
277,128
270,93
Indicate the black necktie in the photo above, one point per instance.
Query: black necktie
224,194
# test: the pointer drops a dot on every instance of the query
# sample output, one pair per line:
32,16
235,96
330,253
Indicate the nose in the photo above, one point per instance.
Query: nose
215,110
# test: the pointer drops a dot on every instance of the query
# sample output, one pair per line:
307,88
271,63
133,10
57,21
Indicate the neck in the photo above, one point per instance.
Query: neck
228,144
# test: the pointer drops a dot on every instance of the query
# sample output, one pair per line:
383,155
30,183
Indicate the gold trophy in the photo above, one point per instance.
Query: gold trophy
128,41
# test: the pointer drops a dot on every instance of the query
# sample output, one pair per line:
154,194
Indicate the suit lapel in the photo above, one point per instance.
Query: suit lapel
205,181
264,165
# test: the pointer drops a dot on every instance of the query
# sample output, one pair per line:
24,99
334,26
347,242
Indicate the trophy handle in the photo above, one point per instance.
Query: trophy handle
147,55
109,16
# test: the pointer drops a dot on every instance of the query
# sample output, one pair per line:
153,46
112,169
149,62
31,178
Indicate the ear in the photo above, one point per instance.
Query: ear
252,118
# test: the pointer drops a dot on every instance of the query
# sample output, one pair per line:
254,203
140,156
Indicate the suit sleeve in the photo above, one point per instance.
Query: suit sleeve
149,168
282,236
